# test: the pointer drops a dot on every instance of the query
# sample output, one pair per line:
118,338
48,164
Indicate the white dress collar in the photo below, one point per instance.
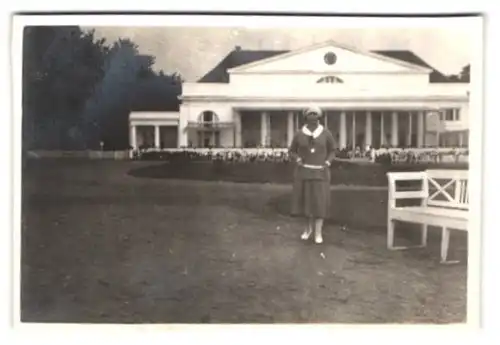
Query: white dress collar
316,133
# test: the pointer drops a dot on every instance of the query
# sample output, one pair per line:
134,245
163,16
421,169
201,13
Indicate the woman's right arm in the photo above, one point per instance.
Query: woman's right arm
293,150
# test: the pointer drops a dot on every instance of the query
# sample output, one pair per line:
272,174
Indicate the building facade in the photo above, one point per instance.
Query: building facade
369,98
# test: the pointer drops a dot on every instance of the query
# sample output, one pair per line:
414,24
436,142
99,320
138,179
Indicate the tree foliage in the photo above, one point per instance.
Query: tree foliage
462,77
61,67
78,90
465,73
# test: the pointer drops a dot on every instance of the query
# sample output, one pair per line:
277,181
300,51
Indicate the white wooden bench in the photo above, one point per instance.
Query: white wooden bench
444,202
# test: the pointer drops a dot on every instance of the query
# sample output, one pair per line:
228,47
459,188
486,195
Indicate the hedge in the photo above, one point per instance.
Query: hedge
343,173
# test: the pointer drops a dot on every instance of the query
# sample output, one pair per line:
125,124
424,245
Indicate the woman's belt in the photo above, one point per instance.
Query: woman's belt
310,166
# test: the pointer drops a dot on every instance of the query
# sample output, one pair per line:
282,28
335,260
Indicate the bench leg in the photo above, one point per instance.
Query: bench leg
445,242
391,227
390,234
423,241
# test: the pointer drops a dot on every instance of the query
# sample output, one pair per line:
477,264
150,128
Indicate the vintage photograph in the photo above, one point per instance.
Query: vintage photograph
187,171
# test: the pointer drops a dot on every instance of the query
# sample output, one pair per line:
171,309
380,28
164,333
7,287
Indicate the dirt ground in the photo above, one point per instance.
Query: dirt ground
101,246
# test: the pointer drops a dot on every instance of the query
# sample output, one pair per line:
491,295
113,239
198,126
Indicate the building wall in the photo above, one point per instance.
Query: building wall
463,106
286,92
269,91
191,111
463,121
351,80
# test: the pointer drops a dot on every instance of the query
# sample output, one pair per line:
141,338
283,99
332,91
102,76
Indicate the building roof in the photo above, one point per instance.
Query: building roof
239,57
234,59
408,56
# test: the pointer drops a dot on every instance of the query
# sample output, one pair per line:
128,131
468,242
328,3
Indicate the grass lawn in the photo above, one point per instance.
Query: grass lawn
100,245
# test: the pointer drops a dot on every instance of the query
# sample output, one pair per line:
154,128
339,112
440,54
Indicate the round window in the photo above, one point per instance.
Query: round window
330,58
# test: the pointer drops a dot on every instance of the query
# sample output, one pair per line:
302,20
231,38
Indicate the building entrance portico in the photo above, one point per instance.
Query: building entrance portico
350,128
151,130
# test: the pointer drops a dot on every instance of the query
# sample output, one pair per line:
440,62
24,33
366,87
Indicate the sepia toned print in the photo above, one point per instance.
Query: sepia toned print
192,175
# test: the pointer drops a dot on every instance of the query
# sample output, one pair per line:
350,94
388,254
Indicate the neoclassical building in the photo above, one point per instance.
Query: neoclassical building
255,98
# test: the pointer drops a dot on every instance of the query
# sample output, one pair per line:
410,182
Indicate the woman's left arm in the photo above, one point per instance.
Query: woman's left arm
330,148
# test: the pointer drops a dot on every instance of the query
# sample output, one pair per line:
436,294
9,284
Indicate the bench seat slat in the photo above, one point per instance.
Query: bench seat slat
436,211
413,216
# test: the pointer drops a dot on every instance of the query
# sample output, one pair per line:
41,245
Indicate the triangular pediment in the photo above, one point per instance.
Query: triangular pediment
330,57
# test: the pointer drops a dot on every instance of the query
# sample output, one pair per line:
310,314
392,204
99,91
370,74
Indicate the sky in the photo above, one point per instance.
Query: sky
193,51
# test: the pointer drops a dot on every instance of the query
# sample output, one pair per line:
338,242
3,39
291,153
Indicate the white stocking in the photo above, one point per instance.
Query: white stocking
319,230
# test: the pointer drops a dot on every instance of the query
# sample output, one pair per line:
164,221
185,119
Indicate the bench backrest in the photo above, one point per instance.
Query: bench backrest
395,194
448,188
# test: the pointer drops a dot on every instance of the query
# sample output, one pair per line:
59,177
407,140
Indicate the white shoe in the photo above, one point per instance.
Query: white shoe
306,234
318,239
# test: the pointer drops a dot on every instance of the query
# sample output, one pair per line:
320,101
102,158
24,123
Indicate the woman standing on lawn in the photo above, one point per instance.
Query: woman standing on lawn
312,149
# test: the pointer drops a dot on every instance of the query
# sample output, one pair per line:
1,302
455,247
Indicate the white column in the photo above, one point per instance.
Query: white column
438,133
182,130
353,130
269,129
409,134
368,128
343,131
394,129
424,140
237,128
460,139
133,136
157,136
263,129
290,127
382,129
420,129
325,119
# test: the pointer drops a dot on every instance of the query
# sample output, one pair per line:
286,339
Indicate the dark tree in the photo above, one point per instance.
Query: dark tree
465,74
462,77
78,91
61,66
107,109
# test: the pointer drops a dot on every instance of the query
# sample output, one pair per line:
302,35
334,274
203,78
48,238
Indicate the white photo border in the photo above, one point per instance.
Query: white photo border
334,332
